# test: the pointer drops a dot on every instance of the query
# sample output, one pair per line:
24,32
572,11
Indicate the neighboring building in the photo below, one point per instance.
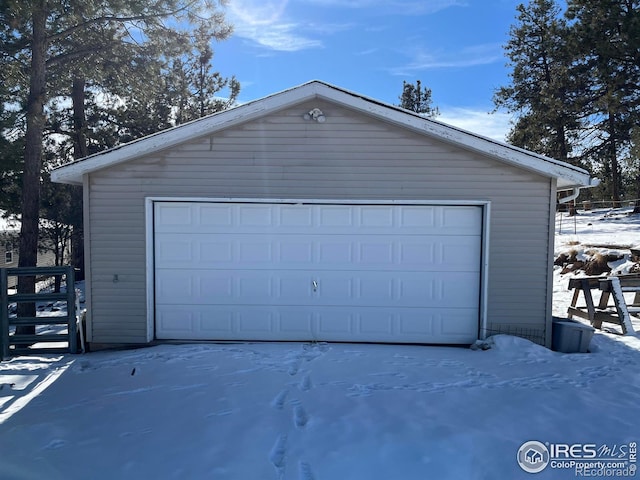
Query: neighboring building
318,214
9,238
9,243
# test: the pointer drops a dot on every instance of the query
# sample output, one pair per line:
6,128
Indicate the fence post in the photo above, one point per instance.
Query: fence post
4,315
71,310
560,227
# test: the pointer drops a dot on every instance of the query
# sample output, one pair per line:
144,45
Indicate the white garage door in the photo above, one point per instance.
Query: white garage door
378,273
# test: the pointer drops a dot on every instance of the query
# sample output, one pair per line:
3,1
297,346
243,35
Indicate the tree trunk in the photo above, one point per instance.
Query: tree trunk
80,150
561,139
615,171
28,249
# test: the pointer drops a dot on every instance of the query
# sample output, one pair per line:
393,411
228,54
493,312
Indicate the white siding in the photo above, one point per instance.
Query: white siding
350,156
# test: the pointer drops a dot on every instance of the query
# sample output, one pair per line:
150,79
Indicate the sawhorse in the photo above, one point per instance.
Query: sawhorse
613,286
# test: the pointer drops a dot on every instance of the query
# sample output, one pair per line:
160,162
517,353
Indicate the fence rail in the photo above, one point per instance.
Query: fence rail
598,204
22,343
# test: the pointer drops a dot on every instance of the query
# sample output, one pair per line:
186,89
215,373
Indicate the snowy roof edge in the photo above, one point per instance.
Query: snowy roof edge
568,176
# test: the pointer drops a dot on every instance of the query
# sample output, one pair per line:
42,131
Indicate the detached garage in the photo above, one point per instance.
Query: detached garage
317,214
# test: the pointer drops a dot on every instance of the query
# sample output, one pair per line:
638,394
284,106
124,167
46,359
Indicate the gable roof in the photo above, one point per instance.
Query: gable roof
568,176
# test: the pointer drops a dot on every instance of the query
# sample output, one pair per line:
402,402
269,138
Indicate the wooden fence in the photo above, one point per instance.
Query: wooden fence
48,341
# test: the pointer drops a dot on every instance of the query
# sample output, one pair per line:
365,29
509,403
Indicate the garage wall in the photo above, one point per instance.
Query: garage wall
350,156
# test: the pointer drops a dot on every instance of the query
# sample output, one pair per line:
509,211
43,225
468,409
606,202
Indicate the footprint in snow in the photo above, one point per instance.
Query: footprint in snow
305,384
278,455
84,367
278,401
293,368
300,415
304,471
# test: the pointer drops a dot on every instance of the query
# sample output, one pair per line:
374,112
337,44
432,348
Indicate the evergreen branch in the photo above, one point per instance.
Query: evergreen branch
107,19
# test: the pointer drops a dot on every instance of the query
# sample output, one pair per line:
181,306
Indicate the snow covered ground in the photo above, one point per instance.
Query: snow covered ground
331,411
600,231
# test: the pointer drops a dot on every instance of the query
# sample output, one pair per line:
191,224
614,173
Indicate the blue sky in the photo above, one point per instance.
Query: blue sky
371,46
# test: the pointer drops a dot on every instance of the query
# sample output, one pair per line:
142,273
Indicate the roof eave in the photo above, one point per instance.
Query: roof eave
567,175
72,173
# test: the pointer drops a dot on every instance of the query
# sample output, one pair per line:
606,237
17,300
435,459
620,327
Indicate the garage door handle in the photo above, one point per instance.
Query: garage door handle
315,286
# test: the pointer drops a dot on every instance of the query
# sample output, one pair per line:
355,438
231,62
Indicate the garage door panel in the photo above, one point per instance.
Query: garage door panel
417,218
295,288
459,253
447,289
380,216
375,252
339,289
180,251
458,322
336,323
460,220
298,217
328,219
183,287
256,215
173,216
373,290
413,324
378,323
198,322
255,251
176,322
218,216
297,321
335,252
380,273
212,252
177,285
336,217
176,250
317,252
436,324
226,287
204,322
260,287
257,323
214,323
296,251
257,288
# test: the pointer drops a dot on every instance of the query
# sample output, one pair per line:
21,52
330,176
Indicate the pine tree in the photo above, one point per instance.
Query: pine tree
608,50
542,93
575,84
41,42
198,84
418,99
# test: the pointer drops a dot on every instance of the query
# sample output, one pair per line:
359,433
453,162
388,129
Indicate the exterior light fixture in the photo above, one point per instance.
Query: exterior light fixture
315,114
